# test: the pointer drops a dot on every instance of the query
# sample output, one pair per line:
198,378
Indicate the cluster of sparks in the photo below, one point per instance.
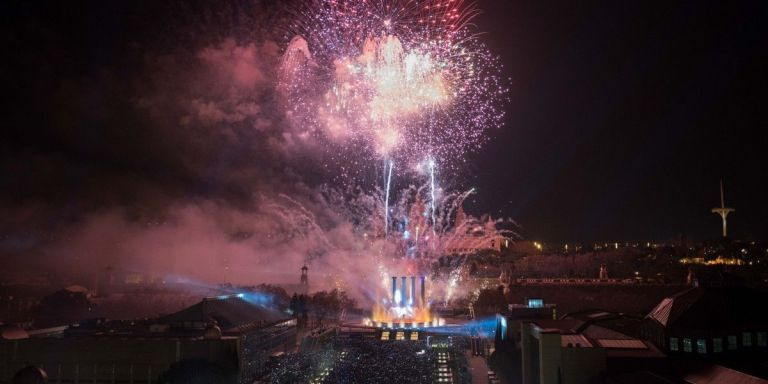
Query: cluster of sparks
397,79
403,81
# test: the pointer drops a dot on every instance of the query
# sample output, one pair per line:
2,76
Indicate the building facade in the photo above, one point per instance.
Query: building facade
226,333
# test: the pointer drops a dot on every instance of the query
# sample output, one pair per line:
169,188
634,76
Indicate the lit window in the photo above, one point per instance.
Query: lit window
761,339
717,344
732,343
535,303
701,346
687,345
674,344
746,339
503,323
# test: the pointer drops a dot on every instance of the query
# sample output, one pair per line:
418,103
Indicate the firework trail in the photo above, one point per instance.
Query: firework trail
386,199
432,190
343,229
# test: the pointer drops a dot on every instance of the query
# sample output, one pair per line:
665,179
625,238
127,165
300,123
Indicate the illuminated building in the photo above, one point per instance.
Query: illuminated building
406,307
534,308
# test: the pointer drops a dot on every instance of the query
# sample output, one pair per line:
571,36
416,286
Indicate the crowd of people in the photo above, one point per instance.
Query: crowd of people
358,361
383,362
297,368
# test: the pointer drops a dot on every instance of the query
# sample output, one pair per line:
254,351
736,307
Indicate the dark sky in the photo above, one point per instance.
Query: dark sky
622,118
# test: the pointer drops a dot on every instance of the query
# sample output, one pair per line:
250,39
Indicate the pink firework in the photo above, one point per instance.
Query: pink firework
399,79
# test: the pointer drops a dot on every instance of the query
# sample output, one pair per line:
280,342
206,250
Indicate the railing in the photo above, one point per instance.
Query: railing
572,281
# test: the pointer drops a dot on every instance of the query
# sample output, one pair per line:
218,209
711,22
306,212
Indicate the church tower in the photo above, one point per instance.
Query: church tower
304,278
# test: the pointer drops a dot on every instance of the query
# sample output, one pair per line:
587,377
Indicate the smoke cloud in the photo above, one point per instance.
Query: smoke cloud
160,144
160,147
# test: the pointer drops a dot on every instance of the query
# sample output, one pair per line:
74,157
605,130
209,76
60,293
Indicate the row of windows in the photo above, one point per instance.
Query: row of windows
717,343
400,335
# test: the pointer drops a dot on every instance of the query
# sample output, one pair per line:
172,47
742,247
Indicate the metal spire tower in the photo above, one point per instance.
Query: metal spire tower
722,210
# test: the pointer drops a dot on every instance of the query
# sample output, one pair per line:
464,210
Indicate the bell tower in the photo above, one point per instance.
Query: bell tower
304,278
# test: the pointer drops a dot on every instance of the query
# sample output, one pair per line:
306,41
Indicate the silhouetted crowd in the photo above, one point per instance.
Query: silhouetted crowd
358,361
298,368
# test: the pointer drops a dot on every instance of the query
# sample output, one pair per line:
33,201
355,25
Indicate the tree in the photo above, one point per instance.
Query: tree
491,301
303,310
325,304
294,305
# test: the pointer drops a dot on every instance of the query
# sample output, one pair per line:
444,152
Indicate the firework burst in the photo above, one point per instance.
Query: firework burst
396,79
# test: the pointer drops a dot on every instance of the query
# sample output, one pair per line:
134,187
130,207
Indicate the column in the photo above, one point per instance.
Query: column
413,290
394,288
423,293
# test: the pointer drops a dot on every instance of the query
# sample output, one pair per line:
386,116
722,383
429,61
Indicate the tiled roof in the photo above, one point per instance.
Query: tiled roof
674,306
702,308
574,340
622,343
661,312
717,374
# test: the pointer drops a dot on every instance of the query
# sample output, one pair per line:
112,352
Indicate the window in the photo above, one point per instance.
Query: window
535,303
761,339
701,345
732,343
717,344
746,339
674,344
687,345
503,327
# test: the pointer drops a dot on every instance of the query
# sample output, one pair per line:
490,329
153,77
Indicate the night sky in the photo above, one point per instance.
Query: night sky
625,115
622,118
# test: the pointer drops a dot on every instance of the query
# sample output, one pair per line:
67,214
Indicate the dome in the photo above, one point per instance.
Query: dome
213,332
77,289
12,332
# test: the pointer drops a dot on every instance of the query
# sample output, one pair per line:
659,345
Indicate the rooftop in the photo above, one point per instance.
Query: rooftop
701,308
233,314
586,330
717,374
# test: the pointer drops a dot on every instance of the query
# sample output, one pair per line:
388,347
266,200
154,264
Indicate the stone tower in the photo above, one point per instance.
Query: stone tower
304,278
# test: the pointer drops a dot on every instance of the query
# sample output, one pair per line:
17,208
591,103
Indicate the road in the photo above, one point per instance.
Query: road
477,368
